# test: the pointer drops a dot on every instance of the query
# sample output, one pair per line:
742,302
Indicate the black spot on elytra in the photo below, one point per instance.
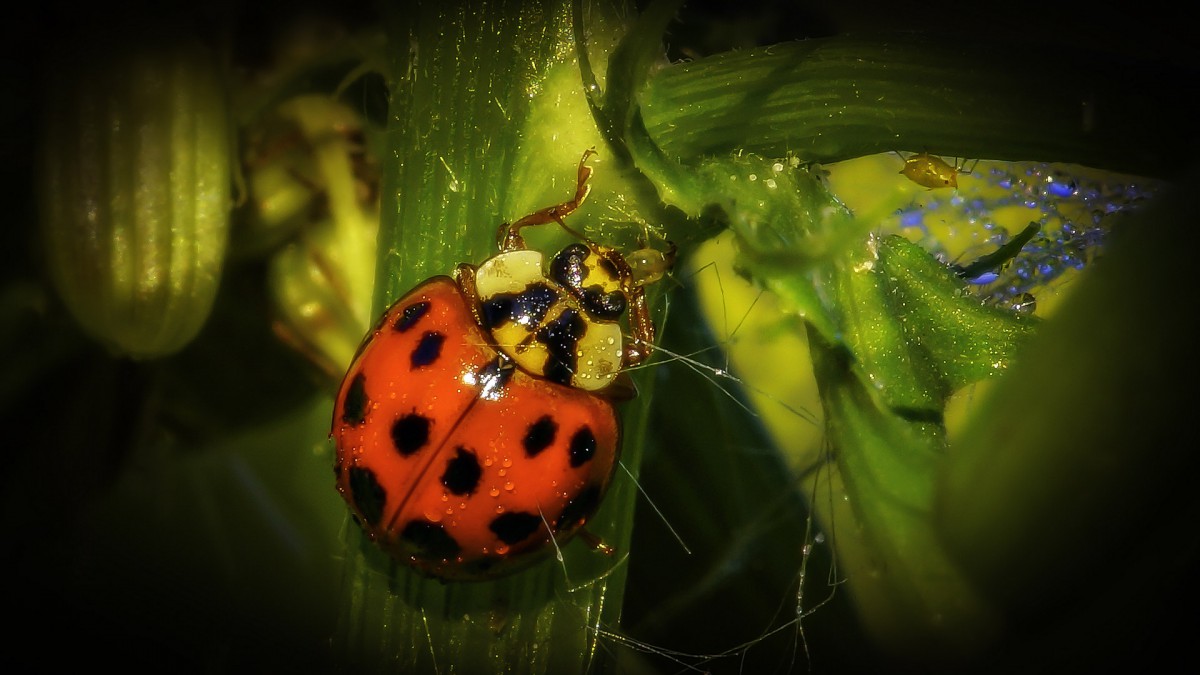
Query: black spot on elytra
354,407
410,433
540,435
430,539
429,348
462,473
579,509
514,526
528,307
583,447
482,567
367,494
410,316
561,337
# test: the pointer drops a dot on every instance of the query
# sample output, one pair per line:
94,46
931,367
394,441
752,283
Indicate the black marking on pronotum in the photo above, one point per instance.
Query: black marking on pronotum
528,307
583,447
428,349
410,315
430,539
540,435
514,526
561,336
462,473
410,433
579,509
367,494
601,305
354,406
570,269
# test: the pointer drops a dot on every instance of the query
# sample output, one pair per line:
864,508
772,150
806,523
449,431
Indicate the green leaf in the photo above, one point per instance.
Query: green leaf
1076,474
829,99
962,340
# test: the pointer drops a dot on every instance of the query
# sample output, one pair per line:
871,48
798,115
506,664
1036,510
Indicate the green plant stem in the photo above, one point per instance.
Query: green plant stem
462,158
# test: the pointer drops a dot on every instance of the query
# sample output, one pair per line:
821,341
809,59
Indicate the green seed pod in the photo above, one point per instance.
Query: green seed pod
134,192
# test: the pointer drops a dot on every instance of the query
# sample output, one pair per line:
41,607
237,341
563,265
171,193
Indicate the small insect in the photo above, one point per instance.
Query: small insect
475,429
932,171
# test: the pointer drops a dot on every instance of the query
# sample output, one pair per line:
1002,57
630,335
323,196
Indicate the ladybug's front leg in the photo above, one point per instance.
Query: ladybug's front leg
510,235
642,327
645,266
464,275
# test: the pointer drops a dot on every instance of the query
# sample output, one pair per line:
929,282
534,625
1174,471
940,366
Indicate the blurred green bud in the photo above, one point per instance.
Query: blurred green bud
134,191
292,158
317,310
321,280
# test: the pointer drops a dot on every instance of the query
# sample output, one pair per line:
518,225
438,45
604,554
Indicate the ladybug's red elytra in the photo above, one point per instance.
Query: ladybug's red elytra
475,427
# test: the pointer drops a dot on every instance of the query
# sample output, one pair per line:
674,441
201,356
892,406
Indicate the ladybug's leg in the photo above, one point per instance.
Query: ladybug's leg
595,542
510,235
464,274
639,349
644,266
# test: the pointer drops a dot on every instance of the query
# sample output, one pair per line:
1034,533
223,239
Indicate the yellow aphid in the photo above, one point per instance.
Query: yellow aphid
931,171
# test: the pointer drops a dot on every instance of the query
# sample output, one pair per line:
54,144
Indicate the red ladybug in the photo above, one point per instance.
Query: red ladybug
476,425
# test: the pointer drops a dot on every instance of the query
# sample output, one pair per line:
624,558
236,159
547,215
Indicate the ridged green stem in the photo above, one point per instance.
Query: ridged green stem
462,157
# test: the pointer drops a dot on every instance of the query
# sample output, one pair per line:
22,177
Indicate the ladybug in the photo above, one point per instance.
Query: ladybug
475,429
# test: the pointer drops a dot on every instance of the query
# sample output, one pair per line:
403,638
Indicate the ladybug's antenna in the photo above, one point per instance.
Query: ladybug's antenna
510,235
